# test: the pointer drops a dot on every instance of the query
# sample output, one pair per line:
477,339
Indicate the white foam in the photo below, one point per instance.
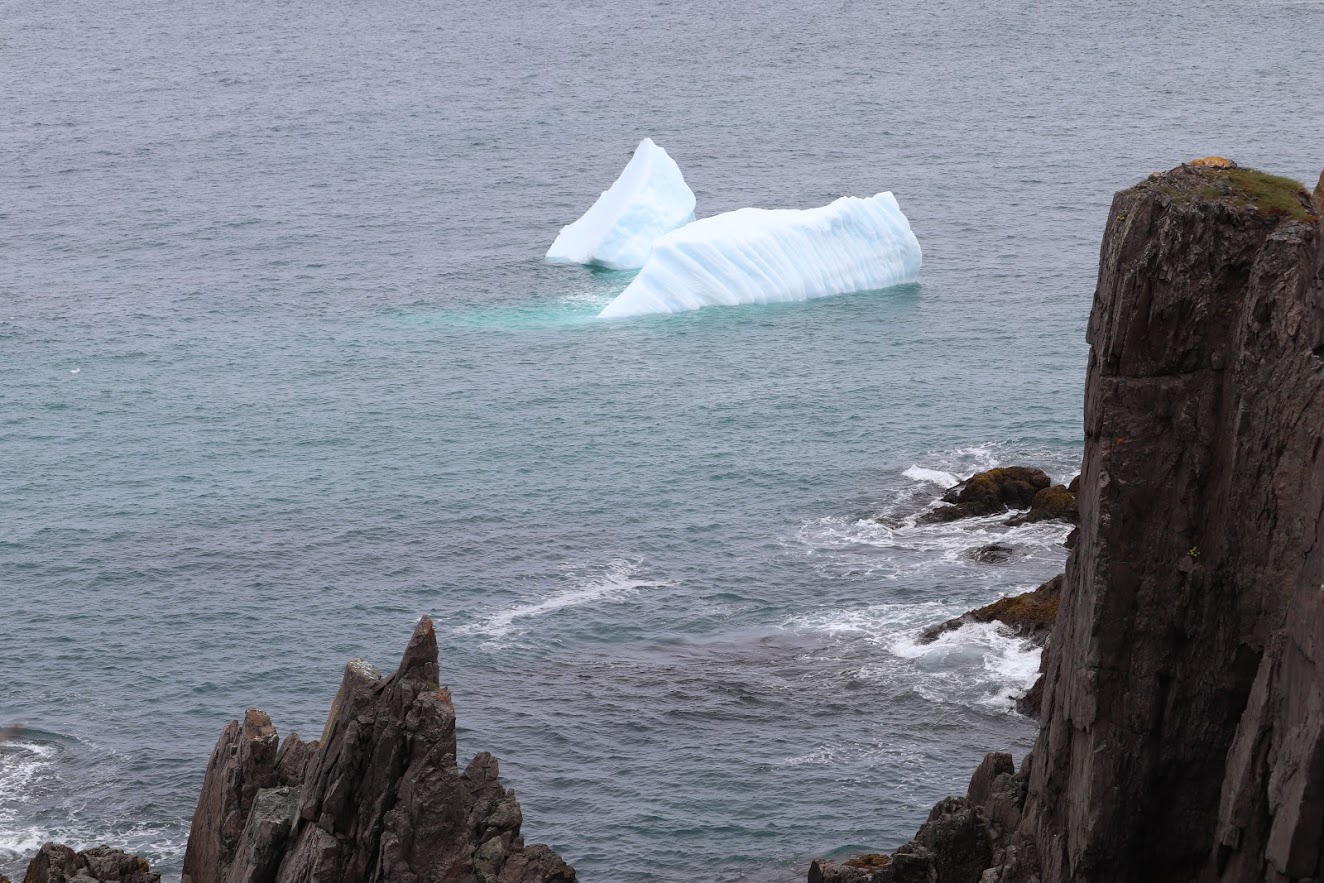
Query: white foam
935,476
763,256
979,664
820,756
31,784
611,583
23,765
873,623
649,198
907,549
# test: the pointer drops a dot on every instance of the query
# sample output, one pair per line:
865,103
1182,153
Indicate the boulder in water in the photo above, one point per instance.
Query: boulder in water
991,492
1030,615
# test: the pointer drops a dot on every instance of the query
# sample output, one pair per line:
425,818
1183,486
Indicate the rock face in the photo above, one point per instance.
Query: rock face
248,761
380,799
1201,558
1183,706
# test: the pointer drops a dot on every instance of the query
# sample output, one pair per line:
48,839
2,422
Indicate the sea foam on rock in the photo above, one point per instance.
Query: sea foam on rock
648,199
761,256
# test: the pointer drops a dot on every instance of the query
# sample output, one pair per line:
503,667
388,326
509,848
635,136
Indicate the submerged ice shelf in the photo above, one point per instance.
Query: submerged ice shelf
759,256
649,198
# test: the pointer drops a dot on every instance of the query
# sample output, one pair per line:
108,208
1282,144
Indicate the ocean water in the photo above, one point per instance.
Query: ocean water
281,368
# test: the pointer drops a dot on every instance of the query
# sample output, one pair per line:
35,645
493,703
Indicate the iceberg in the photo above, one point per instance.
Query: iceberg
648,199
761,256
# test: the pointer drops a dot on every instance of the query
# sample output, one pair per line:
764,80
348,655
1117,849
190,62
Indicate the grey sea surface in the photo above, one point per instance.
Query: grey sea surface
282,368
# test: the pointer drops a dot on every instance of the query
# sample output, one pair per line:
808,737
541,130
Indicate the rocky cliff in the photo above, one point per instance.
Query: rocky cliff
1183,711
378,799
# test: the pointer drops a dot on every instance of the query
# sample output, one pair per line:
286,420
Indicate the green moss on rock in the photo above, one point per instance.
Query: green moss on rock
991,492
1051,503
1216,179
1029,615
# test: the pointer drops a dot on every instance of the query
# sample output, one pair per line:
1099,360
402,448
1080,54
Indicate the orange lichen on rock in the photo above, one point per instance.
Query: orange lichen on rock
871,861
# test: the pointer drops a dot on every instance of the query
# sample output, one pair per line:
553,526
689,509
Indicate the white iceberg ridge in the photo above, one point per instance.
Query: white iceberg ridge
760,256
648,199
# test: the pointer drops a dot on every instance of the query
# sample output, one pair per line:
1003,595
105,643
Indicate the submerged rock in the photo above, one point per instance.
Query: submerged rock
993,553
379,799
991,493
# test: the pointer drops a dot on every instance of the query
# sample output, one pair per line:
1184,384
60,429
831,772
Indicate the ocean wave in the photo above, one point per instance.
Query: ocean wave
981,665
913,551
876,623
611,582
931,476
25,767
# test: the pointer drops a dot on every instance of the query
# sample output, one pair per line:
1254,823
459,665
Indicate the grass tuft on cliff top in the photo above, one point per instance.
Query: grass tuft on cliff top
1268,194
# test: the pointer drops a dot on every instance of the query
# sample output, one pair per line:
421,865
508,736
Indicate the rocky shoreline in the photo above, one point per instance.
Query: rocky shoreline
1182,696
379,797
1182,733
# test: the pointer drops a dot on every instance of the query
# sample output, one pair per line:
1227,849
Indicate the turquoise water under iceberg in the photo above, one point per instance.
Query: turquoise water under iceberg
282,367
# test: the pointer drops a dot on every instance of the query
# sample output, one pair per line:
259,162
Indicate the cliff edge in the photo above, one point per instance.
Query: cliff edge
1182,732
1201,491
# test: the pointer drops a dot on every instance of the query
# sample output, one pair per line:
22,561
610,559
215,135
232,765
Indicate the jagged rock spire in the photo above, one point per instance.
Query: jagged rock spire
380,799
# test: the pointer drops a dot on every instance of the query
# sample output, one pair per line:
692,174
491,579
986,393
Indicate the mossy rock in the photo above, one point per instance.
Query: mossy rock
1029,615
991,493
1052,503
1221,180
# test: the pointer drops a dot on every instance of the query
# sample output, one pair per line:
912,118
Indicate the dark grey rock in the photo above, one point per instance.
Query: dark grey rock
379,799
57,863
243,762
262,844
993,553
1196,577
870,868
